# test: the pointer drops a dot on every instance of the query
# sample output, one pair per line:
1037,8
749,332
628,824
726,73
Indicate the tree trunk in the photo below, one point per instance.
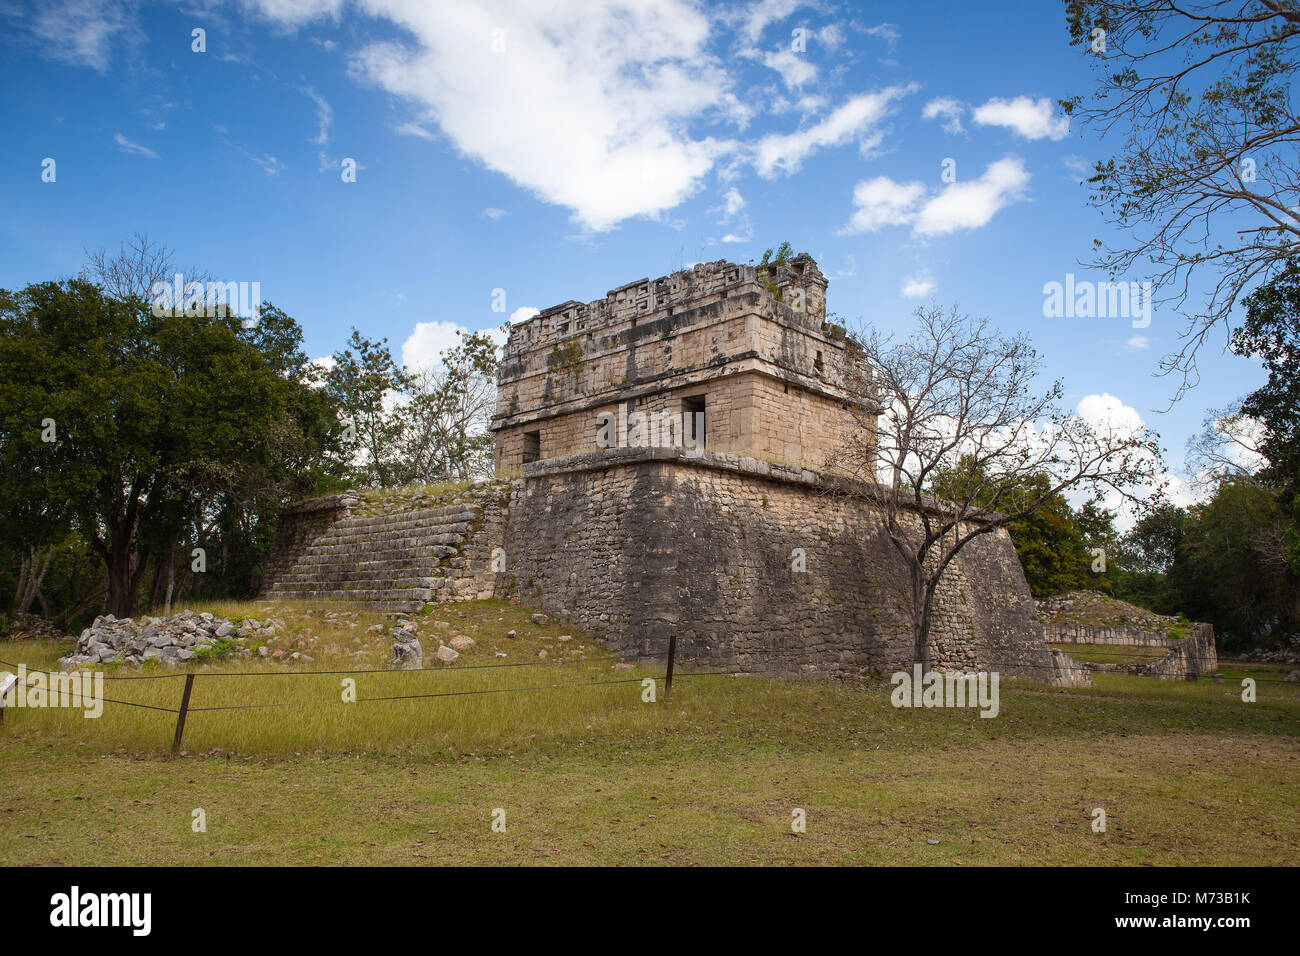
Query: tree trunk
121,590
156,587
920,621
31,576
171,582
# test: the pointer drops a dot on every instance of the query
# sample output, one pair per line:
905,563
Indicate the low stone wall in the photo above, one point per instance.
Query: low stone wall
1067,672
1105,634
1189,657
1192,657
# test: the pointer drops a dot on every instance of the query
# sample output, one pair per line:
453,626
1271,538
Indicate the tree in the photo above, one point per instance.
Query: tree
364,382
125,425
1271,333
1206,180
950,439
444,424
1053,541
138,266
1143,565
1232,568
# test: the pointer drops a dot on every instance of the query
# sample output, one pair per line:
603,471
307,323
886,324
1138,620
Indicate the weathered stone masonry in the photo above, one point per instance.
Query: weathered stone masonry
753,351
636,544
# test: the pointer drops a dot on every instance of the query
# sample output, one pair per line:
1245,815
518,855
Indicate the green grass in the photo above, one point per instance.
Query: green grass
1120,654
1186,771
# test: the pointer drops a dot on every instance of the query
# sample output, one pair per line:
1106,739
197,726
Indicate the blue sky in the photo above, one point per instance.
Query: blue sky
555,150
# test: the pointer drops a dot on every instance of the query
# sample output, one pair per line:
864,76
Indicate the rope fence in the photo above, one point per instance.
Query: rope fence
184,709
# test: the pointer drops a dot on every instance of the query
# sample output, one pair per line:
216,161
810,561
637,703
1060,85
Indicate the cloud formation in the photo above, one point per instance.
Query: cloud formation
858,118
958,206
1030,118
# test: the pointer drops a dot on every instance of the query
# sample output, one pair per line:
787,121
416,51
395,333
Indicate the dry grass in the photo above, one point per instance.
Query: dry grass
1186,772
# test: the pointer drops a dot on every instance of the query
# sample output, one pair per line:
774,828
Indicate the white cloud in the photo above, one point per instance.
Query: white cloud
1106,411
135,149
296,12
413,129
765,12
80,32
785,152
523,314
971,204
423,348
1032,119
493,213
947,109
795,70
918,286
324,120
732,203
1138,342
963,205
886,31
882,202
585,105
831,37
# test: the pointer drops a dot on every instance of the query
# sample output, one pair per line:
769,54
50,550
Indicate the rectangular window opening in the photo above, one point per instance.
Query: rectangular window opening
694,423
532,446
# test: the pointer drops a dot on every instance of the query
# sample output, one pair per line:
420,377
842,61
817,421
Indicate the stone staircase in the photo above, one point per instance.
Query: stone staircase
400,552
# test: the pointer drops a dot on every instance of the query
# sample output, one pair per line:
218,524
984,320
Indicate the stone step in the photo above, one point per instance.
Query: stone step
418,558
328,544
405,520
386,550
357,594
346,578
356,535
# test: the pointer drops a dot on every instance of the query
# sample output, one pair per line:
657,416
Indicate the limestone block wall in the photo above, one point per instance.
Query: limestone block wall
754,566
748,413
1189,657
636,544
650,344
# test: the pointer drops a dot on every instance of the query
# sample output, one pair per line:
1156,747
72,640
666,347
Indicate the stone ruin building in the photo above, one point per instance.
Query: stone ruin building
748,358
661,455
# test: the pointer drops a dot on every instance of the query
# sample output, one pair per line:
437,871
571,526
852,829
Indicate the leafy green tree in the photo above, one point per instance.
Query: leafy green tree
444,424
126,425
1271,334
1143,565
1055,543
1232,569
364,382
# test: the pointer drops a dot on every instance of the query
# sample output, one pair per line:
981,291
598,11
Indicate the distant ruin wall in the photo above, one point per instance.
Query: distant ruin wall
635,544
1189,657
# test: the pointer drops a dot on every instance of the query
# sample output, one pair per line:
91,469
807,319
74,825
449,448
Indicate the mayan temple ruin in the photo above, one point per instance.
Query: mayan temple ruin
661,453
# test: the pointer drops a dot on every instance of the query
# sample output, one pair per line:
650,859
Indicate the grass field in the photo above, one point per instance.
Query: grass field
1186,772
